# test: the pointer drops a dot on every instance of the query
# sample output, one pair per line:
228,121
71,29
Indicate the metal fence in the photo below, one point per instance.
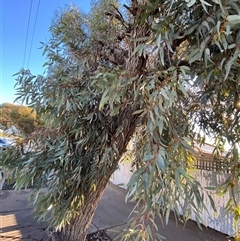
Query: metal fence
219,220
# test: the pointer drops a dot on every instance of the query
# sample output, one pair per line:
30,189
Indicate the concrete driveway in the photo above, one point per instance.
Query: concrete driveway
17,222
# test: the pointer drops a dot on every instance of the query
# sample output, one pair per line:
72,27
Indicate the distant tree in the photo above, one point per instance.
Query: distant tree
5,110
161,71
22,117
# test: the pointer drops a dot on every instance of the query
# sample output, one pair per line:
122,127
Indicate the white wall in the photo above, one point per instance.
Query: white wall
122,174
206,178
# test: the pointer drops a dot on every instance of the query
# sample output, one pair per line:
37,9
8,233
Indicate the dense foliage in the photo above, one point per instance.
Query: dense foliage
22,117
163,73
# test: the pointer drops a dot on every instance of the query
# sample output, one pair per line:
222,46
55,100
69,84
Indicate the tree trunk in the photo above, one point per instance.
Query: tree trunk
78,228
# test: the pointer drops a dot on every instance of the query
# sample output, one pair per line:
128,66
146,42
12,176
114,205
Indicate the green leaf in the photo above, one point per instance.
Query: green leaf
182,88
164,94
205,24
212,203
167,216
233,19
231,46
104,99
148,158
183,172
162,56
197,56
160,237
161,163
190,3
172,68
137,112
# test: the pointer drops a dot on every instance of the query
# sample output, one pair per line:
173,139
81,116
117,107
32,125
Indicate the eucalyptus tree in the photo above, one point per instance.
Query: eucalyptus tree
145,70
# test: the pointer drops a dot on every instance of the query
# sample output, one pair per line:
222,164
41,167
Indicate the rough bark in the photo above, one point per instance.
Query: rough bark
79,226
136,64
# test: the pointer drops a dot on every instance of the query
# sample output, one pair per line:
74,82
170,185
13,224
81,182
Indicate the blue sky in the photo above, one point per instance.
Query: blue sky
14,15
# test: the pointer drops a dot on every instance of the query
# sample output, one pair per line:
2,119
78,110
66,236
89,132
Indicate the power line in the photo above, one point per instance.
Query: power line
33,33
29,17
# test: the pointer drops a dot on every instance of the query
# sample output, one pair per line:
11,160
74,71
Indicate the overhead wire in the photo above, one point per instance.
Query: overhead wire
34,27
25,48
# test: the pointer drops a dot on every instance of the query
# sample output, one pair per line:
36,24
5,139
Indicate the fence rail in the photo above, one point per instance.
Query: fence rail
212,165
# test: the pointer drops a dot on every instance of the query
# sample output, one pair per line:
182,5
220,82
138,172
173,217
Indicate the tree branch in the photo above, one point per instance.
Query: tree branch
118,17
132,10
